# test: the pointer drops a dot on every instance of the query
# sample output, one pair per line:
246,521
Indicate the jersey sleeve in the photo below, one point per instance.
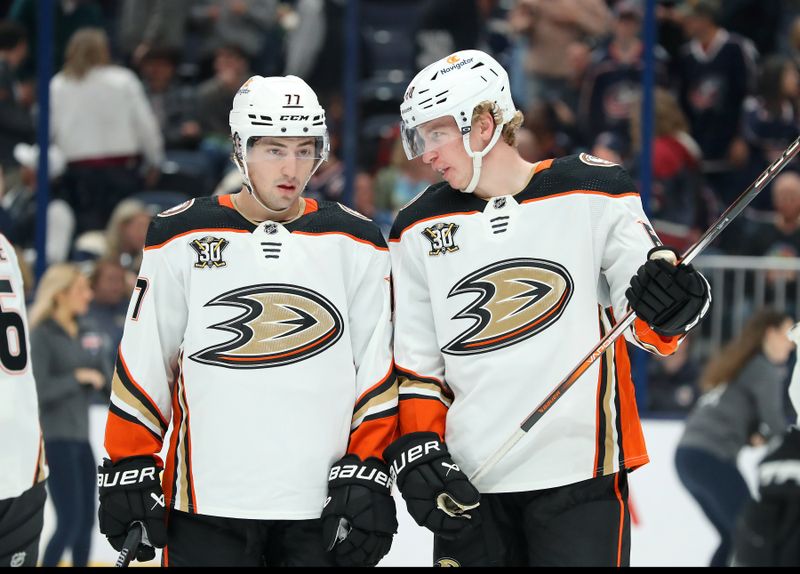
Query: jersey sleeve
630,236
147,359
374,423
424,395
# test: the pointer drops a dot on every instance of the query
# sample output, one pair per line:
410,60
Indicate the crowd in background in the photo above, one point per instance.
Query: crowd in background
141,91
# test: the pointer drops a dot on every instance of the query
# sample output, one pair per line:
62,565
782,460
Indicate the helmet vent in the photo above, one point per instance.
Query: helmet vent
440,94
423,91
495,73
478,65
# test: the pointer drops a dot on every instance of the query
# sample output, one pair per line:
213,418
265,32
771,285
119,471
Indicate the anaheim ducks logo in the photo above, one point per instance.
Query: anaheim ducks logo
517,299
281,324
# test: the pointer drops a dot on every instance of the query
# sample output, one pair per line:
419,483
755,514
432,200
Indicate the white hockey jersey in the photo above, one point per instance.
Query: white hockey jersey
22,461
496,301
268,347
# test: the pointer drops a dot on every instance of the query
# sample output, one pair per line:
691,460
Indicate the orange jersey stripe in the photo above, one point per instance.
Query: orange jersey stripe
372,436
226,201
169,470
582,192
353,237
418,415
621,519
204,230
311,206
630,426
125,439
431,219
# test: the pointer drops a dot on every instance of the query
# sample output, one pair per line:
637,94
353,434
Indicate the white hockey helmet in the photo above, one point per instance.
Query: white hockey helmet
454,86
276,106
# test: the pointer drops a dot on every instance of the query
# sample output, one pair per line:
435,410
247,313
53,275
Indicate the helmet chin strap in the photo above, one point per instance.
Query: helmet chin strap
477,158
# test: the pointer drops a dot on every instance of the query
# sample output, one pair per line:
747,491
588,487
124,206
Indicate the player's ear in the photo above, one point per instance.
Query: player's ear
484,125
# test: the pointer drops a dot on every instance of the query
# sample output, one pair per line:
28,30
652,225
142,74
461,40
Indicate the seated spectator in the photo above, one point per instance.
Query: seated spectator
400,182
20,205
125,236
214,96
771,119
174,104
781,236
101,120
681,206
16,122
672,381
107,310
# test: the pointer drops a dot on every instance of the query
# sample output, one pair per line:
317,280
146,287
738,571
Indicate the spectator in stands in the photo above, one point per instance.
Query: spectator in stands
102,121
672,381
174,104
328,181
771,117
107,311
20,205
743,405
16,122
214,97
252,25
66,373
614,78
146,25
69,16
545,28
401,181
781,236
125,236
681,206
717,71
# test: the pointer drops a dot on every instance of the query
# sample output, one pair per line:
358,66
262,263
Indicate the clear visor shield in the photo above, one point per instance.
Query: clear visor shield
429,136
310,150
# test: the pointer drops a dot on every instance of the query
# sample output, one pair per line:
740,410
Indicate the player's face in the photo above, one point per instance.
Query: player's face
280,167
444,151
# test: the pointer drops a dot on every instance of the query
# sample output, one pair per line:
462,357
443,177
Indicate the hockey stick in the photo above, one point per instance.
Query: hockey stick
729,215
130,546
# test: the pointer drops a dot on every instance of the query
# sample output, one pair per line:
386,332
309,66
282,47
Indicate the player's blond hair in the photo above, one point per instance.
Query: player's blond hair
58,278
510,129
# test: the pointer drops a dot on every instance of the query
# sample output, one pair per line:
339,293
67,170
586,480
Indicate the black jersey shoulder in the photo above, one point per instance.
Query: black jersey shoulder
579,173
202,213
333,217
437,200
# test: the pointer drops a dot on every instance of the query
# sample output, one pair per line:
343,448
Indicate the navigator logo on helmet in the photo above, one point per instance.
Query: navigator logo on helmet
454,86
278,106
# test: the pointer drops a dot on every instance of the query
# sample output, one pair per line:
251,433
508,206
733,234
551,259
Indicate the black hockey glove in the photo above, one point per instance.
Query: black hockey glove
130,491
359,518
670,298
438,494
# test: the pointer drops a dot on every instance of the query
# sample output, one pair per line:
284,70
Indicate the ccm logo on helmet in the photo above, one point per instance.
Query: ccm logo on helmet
412,454
294,118
360,472
127,477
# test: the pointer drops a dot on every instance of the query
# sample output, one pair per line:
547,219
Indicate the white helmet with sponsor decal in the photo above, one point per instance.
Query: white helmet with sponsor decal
454,86
276,106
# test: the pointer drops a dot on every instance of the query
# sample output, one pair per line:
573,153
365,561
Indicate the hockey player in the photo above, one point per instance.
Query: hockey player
505,275
260,325
22,491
